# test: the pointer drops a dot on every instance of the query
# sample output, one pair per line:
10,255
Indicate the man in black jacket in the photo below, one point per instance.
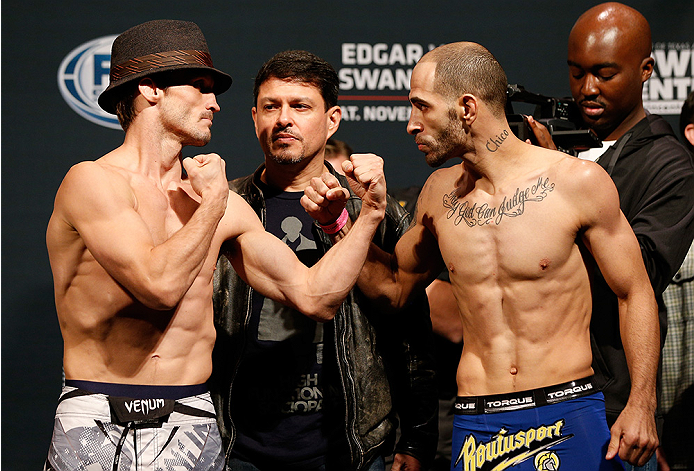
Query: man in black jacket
609,61
292,393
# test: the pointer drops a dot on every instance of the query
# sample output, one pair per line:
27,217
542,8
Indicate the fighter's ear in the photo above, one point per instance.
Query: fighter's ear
149,90
689,133
254,114
647,68
334,118
468,108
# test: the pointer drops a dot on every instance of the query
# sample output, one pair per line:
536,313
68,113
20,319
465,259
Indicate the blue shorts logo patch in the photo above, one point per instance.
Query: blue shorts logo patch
547,461
83,75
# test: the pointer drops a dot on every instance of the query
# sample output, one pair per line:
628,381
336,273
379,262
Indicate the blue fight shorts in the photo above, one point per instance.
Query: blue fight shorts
557,428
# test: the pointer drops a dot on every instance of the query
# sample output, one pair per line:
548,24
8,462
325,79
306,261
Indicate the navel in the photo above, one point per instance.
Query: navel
514,370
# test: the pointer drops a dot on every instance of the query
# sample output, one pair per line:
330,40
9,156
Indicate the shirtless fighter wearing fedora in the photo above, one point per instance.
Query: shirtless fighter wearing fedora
133,242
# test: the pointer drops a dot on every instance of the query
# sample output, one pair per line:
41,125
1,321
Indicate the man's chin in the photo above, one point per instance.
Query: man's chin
434,160
601,127
286,158
198,142
597,122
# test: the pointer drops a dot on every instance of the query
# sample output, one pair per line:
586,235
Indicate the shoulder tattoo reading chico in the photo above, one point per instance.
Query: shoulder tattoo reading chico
482,214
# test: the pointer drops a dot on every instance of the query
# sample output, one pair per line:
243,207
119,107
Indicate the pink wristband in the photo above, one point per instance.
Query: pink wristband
338,224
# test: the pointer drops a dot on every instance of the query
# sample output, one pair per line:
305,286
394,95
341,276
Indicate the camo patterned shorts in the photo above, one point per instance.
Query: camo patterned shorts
89,435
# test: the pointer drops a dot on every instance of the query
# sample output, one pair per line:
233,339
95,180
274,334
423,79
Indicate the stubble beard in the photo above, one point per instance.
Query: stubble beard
200,139
180,123
202,136
284,156
443,146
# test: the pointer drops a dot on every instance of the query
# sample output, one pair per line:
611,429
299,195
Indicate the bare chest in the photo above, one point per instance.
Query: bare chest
519,233
164,212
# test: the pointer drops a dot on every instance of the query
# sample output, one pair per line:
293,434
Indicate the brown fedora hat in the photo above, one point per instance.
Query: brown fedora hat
158,46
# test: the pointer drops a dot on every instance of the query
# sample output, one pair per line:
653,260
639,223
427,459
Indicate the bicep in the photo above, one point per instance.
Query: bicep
617,253
610,238
260,258
662,221
267,264
417,259
102,211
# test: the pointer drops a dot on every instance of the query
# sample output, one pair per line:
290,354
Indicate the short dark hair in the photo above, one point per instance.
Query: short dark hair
469,68
124,104
687,117
301,66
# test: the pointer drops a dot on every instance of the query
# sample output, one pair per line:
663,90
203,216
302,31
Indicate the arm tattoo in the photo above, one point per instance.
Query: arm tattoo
483,214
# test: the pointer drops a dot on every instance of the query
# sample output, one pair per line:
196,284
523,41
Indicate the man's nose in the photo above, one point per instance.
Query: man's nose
414,124
589,86
284,118
213,105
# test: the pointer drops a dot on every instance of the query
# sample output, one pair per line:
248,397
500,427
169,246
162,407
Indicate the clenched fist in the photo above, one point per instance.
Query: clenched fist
207,175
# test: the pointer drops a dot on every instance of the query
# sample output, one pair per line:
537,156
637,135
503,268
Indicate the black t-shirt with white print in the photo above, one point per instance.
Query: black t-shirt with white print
278,397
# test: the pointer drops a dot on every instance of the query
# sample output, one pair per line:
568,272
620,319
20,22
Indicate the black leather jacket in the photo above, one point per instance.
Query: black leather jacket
385,362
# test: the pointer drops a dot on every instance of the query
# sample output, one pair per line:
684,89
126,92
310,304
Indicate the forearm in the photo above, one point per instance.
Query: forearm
174,264
664,222
376,279
663,261
633,435
640,332
331,279
374,275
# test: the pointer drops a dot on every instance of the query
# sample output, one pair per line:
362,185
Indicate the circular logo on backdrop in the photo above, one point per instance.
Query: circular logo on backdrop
83,75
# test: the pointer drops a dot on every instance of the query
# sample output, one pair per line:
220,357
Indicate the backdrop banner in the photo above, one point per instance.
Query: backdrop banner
55,62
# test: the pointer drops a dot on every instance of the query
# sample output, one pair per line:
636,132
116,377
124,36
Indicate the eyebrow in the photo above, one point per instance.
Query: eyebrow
293,99
603,65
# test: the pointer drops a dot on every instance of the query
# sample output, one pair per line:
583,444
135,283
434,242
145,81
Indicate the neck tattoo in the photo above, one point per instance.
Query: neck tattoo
494,143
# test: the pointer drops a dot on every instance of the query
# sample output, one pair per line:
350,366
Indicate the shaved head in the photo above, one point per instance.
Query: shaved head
466,67
614,23
609,61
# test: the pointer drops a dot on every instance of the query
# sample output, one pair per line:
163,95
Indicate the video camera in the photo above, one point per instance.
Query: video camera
560,115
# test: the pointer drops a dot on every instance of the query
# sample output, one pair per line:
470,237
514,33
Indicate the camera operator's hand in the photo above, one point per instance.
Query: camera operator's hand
544,138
